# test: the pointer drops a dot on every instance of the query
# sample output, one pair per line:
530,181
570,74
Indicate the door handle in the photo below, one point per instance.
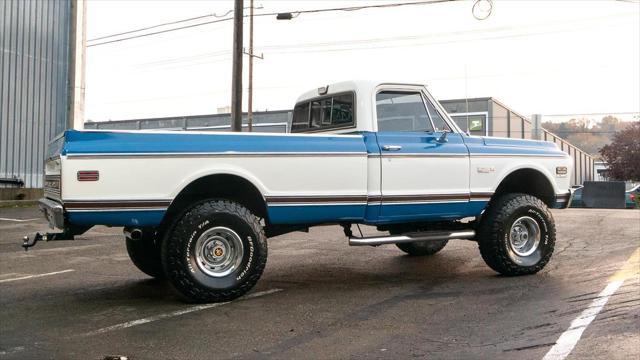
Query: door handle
391,147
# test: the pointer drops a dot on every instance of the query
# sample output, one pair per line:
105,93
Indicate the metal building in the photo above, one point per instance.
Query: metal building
489,117
37,87
263,121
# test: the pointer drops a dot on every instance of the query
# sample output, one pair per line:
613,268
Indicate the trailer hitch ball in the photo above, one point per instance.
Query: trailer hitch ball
28,242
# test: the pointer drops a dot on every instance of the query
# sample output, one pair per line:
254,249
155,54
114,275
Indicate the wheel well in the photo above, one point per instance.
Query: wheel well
221,186
527,181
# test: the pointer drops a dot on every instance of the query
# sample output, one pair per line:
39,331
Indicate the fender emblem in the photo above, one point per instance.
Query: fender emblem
486,170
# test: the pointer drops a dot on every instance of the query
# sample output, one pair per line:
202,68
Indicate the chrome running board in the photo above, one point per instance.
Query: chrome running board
411,237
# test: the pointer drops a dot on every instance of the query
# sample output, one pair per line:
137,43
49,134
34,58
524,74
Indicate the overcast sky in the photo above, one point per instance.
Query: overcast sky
548,57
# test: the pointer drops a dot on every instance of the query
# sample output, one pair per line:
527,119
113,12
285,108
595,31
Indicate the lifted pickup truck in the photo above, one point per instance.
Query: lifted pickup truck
197,207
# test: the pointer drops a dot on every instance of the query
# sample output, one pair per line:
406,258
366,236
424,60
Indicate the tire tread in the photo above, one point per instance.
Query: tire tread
490,243
178,276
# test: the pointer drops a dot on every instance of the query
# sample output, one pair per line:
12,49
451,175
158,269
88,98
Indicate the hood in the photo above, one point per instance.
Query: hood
496,141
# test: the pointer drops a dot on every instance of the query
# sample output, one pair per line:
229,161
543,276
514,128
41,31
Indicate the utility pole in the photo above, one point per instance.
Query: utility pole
251,56
236,81
250,99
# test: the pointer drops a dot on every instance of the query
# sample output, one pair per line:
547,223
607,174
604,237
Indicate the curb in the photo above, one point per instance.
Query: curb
17,203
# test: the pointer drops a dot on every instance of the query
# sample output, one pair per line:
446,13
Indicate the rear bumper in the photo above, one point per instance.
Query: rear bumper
54,213
563,201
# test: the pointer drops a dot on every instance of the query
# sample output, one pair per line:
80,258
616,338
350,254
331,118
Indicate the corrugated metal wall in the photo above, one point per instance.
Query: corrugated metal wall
521,127
33,83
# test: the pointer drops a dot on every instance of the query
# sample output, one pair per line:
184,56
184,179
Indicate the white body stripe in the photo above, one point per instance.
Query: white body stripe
488,182
153,178
425,175
142,178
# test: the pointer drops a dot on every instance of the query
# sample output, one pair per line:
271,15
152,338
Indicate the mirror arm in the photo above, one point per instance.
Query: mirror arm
443,138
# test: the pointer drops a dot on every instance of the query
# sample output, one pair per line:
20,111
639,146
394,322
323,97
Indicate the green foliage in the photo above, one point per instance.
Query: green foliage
623,154
588,138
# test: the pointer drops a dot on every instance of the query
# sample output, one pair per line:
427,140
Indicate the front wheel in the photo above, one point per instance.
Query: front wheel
419,248
517,235
422,248
215,252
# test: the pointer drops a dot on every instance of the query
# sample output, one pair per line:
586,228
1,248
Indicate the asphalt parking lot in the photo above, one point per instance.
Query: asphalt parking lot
320,298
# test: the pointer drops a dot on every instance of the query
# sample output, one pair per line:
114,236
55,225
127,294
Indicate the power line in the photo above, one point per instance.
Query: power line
159,25
358,44
168,23
556,131
355,8
595,114
297,12
159,32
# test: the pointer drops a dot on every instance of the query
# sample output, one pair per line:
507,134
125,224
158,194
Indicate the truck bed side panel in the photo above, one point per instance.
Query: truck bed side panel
303,178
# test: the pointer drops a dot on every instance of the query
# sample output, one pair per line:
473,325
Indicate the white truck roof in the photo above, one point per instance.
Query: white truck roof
357,86
365,91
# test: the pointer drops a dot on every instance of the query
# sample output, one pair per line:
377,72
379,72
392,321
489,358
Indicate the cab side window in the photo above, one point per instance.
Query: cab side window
402,111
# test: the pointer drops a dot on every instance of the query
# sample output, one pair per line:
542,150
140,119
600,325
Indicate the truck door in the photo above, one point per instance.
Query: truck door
425,166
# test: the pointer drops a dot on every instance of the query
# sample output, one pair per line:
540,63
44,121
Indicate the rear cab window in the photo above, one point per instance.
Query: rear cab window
324,113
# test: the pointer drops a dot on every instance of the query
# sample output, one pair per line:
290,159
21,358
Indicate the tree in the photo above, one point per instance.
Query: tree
589,142
623,154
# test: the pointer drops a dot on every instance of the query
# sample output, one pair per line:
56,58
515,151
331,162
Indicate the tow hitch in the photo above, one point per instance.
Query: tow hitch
30,242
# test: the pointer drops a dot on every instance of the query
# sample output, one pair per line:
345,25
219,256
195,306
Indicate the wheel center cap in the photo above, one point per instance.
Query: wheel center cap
218,251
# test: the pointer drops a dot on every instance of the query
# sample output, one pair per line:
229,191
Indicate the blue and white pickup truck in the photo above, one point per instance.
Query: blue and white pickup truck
198,207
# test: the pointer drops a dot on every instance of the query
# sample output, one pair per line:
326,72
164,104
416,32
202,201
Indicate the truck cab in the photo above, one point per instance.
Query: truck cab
417,154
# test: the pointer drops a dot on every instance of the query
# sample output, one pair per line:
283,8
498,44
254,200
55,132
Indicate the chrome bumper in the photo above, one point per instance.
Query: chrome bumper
563,201
53,212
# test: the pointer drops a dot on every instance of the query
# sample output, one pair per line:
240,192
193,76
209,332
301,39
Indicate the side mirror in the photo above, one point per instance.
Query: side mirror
443,138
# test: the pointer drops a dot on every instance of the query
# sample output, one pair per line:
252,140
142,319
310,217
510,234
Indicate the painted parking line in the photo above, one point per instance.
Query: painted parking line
172,314
36,276
12,350
8,275
18,220
568,340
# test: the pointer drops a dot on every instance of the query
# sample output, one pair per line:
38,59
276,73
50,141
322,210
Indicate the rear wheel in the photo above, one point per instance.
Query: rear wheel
145,255
215,252
517,235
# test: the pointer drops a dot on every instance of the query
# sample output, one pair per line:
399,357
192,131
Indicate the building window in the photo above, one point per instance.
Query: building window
474,124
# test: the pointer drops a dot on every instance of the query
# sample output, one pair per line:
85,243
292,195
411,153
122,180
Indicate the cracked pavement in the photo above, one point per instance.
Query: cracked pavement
333,301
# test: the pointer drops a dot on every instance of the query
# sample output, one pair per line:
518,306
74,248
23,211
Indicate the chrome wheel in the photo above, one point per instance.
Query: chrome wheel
524,236
219,251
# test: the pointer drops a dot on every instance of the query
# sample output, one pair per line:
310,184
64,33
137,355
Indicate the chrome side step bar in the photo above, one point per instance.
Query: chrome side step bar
411,237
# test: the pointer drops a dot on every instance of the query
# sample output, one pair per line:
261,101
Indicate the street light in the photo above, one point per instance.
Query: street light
284,16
